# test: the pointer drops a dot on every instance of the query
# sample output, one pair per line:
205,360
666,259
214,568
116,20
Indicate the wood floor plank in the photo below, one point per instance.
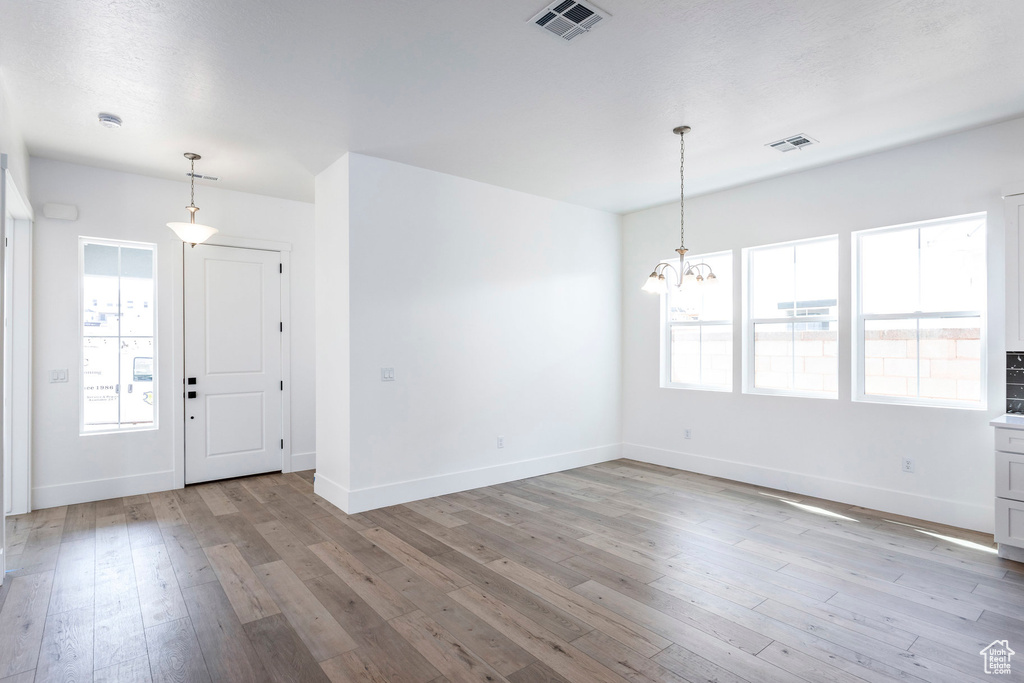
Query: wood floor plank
215,499
119,631
424,565
159,594
283,654
79,523
443,651
174,654
143,529
112,544
167,509
249,542
321,632
297,556
482,638
191,566
376,592
227,651
133,671
532,637
21,622
74,578
67,647
248,597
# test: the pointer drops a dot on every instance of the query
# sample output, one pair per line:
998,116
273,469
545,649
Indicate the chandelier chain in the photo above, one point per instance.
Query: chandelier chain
192,201
682,210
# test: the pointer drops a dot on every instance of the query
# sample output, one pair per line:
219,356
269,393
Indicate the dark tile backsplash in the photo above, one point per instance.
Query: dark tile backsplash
1015,382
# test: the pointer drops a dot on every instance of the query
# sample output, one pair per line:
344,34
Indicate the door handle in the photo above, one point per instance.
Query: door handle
191,394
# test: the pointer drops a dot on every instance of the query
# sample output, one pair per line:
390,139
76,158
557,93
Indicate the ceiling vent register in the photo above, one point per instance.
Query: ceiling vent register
791,143
568,19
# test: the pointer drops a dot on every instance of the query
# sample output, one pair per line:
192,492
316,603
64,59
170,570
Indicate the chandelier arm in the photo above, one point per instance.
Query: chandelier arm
660,270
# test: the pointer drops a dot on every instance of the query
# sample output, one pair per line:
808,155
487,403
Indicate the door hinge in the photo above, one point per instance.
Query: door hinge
282,444
282,385
281,327
280,267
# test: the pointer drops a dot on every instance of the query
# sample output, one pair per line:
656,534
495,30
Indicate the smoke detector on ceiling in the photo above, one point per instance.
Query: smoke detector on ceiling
109,120
569,19
791,143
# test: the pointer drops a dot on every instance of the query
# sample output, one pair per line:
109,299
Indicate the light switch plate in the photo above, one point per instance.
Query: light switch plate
387,374
60,375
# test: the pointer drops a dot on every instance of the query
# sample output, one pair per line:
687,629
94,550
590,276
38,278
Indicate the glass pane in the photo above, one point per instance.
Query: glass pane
99,383
771,281
716,355
889,271
815,356
817,278
99,305
710,299
137,299
685,357
950,352
136,263
890,357
100,259
137,397
953,266
773,356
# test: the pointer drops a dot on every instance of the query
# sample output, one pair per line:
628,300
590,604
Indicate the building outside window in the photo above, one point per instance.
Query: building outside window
118,297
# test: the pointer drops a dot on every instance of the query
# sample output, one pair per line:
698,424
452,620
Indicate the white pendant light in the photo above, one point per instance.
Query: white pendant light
687,275
193,233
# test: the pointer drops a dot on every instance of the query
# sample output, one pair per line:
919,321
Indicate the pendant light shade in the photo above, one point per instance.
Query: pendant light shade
193,233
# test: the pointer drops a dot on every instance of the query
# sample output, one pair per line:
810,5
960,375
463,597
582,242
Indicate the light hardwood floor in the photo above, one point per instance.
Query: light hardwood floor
615,572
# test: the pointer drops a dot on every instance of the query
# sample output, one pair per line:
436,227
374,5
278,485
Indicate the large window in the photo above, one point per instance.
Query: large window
920,313
791,327
118,291
698,328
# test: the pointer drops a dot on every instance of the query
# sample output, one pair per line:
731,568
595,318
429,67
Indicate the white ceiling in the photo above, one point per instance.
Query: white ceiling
271,92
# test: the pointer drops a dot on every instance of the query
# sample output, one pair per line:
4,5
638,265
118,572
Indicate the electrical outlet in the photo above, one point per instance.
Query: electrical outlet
908,464
501,442
687,433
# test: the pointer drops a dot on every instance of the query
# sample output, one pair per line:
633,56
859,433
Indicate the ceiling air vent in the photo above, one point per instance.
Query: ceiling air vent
568,19
791,143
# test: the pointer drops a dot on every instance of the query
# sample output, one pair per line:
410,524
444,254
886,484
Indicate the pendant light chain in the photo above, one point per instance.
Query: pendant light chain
192,176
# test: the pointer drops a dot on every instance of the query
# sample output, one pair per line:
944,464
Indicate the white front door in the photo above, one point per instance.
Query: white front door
233,420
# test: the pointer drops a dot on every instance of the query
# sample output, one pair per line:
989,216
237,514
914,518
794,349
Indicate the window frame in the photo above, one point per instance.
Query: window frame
130,244
667,325
750,323
858,365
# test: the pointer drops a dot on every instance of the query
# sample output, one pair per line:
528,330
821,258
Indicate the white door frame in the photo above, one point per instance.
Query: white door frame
18,386
284,248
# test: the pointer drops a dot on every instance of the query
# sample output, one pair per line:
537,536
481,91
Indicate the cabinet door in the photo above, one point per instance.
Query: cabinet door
1010,522
1010,476
1013,203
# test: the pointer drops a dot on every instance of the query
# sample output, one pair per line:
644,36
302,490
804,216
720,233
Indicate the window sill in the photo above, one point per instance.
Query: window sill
697,387
791,394
131,430
920,403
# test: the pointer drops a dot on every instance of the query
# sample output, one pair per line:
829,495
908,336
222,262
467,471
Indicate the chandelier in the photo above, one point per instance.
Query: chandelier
687,272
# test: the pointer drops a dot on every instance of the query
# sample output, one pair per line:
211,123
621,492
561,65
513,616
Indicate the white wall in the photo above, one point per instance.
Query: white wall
500,313
12,144
68,467
333,405
836,449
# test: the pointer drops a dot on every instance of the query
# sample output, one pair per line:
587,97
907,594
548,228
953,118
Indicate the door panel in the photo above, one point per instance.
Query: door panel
233,351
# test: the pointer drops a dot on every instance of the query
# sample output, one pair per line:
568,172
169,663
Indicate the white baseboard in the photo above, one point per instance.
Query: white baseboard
303,461
951,512
373,497
101,489
332,492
